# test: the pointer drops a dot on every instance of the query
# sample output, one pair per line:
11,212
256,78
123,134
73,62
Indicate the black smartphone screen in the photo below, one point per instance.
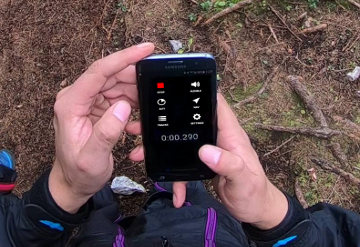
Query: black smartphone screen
178,117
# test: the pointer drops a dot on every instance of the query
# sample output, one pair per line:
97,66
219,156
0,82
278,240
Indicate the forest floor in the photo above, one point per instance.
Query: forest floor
46,45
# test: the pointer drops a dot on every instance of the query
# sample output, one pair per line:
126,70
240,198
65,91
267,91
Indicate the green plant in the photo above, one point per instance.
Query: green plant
220,4
192,17
206,6
187,47
313,4
121,5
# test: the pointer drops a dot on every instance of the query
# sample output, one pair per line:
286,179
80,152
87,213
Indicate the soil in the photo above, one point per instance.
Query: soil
46,45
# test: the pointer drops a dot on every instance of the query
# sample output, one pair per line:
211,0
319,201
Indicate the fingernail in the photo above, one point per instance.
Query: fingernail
210,154
122,111
144,45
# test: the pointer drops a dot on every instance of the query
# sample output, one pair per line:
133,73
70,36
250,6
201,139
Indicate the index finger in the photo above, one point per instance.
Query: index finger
90,83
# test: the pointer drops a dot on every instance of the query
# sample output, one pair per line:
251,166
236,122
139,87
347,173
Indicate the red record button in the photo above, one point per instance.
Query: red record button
160,85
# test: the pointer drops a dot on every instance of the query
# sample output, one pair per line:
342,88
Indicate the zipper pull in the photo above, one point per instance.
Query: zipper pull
164,242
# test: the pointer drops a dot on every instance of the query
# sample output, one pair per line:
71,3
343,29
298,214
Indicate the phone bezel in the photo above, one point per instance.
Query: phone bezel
175,65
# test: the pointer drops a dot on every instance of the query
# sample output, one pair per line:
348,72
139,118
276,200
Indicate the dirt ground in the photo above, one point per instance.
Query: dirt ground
46,45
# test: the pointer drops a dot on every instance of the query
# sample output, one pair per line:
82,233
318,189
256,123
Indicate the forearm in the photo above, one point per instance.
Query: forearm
36,219
63,194
320,226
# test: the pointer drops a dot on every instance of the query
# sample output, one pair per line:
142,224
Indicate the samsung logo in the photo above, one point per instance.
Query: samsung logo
175,66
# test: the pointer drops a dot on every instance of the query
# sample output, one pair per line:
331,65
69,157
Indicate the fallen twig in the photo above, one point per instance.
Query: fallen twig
273,33
353,2
299,194
113,25
323,133
280,146
327,166
350,44
283,22
308,99
261,90
314,29
302,16
227,11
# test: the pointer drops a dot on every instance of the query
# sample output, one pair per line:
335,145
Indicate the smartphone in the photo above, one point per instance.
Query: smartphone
177,96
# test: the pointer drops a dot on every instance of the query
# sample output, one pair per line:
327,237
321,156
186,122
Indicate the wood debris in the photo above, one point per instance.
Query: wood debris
322,133
299,194
327,166
227,11
301,90
353,2
314,29
261,90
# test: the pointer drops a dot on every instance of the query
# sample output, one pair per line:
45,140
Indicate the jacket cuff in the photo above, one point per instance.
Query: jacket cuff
294,225
43,211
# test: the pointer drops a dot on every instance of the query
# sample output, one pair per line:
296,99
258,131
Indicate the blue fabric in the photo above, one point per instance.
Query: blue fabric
53,225
6,159
285,241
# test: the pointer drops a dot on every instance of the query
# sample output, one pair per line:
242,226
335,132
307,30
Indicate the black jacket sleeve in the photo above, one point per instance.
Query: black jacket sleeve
36,220
320,225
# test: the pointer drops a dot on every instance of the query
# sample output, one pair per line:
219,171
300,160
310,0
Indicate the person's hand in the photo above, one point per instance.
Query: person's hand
241,182
90,116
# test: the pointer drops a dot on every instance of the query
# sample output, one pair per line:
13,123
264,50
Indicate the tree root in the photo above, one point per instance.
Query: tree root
327,166
308,99
299,194
322,133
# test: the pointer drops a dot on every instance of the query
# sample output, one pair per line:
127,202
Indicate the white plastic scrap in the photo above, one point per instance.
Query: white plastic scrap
354,75
176,45
125,186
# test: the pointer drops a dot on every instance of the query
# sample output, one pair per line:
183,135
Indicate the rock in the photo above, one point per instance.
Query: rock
63,83
354,75
125,186
176,45
358,93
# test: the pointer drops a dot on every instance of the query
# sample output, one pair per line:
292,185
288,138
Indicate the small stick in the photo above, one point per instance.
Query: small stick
273,33
302,16
280,146
227,11
353,2
351,44
299,194
283,21
200,18
322,133
308,99
314,29
327,166
113,25
261,90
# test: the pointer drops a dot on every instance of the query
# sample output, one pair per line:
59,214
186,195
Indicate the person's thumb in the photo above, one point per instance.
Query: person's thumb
221,161
108,129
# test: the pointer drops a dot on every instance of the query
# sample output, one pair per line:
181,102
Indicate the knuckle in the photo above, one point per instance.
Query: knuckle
95,66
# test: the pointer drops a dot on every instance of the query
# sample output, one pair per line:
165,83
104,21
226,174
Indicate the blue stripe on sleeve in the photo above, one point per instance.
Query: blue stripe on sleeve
285,241
52,225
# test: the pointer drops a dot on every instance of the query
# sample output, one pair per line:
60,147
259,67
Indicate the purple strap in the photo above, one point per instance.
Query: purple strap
120,239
